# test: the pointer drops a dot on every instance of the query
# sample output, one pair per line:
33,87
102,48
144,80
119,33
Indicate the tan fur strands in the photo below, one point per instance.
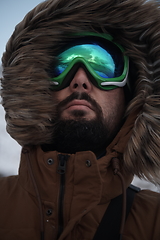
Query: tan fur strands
28,101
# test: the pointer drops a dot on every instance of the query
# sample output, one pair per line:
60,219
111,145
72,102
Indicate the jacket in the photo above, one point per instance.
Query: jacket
72,203
30,103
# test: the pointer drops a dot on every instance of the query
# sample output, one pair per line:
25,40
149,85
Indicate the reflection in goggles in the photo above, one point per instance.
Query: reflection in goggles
99,59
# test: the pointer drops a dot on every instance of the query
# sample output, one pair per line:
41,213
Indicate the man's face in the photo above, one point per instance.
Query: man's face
83,103
111,102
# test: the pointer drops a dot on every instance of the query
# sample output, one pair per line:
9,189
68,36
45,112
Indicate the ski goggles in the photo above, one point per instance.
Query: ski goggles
103,60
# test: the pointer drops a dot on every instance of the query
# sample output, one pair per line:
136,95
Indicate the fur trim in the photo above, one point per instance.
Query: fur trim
29,103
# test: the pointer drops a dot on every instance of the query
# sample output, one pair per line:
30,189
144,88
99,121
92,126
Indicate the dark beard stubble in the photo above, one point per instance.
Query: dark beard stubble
71,136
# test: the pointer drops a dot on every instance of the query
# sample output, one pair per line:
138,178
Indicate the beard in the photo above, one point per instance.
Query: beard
79,134
73,136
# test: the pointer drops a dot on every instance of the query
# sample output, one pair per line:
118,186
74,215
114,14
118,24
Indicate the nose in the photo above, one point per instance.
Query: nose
80,82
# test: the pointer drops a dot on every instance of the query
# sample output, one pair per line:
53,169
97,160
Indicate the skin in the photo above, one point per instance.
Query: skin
111,102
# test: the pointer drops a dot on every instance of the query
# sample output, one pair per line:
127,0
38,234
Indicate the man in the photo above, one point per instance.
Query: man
81,92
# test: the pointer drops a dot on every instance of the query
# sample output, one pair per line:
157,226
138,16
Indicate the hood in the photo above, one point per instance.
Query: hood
29,102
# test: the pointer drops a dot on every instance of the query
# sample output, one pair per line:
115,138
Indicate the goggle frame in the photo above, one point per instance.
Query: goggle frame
101,83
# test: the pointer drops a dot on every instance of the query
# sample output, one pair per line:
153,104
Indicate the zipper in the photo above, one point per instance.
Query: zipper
61,170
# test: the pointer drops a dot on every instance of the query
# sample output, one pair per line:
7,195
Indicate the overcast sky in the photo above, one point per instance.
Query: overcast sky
11,13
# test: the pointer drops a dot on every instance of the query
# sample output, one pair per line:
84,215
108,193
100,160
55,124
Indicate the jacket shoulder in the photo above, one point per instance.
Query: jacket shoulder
144,217
8,189
148,197
7,183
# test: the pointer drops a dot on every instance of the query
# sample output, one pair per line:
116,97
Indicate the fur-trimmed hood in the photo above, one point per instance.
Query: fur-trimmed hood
27,100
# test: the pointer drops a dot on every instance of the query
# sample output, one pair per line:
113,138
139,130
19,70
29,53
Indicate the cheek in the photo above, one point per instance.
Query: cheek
113,104
61,95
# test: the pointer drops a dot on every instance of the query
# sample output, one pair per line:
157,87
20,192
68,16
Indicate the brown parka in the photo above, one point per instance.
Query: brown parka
30,202
33,202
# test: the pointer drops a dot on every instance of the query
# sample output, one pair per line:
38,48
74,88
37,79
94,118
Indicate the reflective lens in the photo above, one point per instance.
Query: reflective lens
103,60
98,58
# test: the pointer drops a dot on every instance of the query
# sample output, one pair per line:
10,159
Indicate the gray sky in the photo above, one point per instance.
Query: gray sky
11,13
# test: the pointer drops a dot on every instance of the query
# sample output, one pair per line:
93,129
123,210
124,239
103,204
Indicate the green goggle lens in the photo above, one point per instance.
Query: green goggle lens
103,59
98,58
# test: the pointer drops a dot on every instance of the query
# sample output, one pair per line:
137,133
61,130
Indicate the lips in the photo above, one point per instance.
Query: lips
79,103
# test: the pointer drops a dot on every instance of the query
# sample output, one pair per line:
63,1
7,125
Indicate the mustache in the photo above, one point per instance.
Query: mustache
80,96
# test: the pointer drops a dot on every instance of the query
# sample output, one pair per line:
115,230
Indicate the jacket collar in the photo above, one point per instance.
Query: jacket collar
97,181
